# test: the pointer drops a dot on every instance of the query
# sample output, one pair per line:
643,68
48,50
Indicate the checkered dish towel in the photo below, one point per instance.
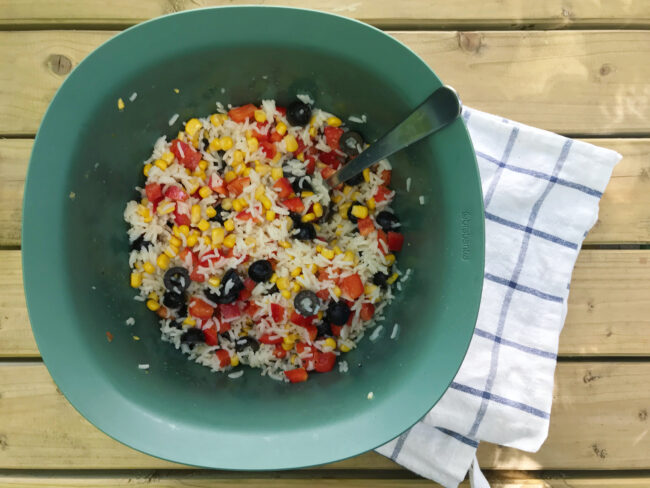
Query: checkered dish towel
541,194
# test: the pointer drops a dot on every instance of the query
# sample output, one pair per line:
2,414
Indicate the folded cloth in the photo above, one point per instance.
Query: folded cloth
541,194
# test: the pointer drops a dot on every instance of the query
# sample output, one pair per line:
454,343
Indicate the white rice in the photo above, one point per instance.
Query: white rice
305,98
408,184
133,96
358,120
236,374
130,321
143,366
395,333
173,120
421,198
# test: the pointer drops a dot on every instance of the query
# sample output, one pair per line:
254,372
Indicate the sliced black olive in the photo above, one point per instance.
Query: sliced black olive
221,216
379,279
296,218
350,142
176,324
228,291
306,303
177,277
193,336
302,183
260,271
172,299
338,313
221,153
246,342
304,231
351,217
324,329
139,244
182,311
355,180
387,220
298,113
206,144
273,290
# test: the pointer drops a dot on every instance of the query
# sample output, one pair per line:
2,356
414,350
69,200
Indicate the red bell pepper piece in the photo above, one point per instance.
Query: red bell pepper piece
181,219
310,165
386,176
251,309
275,137
365,226
382,194
244,295
268,148
382,241
243,113
312,330
332,136
283,187
200,309
244,215
324,295
301,321
336,329
326,172
249,284
296,375
229,312
324,361
223,327
153,192
237,185
186,154
395,241
279,352
282,110
352,286
277,313
216,184
224,357
294,204
367,311
176,193
211,336
330,159
270,339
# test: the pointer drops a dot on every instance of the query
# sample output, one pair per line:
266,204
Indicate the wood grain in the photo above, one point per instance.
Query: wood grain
574,82
600,421
505,14
609,310
624,209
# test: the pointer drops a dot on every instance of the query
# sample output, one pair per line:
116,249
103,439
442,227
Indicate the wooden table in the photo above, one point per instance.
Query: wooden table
578,67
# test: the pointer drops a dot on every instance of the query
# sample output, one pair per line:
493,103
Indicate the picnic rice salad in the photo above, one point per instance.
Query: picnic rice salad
247,257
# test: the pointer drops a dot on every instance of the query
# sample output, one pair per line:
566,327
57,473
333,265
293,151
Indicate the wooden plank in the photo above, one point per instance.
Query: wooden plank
575,82
419,13
599,421
292,480
609,310
624,209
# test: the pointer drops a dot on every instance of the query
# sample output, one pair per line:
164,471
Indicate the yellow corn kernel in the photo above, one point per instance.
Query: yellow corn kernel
226,143
371,204
175,241
337,250
193,185
390,259
203,225
334,121
344,348
237,157
314,268
392,279
250,241
215,145
176,231
276,173
259,191
195,214
192,240
120,104
152,296
295,287
184,230
229,240
319,248
320,315
313,131
234,361
343,210
287,346
359,211
253,144
286,294
260,116
144,211
337,198
295,272
171,251
192,126
318,209
347,189
229,225
200,174
205,192
266,202
136,280
366,174
327,253
161,164
294,357
282,283
166,208
276,158
369,289
285,244
300,157
146,169
226,204
240,169
237,205
290,143
274,278
281,128
153,305
247,171
214,281
148,267
355,196
203,164
308,217
217,119
217,235
306,194
189,321
337,291
262,168
229,176
168,157
210,212
329,342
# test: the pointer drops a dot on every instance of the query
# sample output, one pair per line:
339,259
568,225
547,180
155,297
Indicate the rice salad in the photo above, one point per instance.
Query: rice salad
244,252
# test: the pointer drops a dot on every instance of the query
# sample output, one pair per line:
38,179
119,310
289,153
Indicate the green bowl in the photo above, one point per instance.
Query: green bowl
86,162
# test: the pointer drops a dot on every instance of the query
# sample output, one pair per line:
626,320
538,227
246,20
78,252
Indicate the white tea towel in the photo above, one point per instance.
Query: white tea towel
541,194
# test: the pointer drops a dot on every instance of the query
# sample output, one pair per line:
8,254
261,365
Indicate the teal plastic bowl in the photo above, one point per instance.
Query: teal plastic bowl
86,162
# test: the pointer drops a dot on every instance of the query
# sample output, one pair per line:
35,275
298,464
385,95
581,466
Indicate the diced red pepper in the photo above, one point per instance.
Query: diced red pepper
382,194
259,135
330,159
183,255
237,185
301,146
209,258
382,238
216,184
312,330
229,312
186,154
181,219
324,361
200,309
283,187
302,348
351,286
249,284
336,329
154,192
386,176
275,137
294,204
365,226
281,110
244,295
296,375
176,193
301,321
268,148
270,339
196,276
332,136
395,241
251,309
310,165
324,295
243,113
367,311
277,313
326,172
244,215
211,336
279,352
223,327
224,357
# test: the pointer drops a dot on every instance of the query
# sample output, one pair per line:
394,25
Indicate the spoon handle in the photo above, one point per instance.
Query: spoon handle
440,109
